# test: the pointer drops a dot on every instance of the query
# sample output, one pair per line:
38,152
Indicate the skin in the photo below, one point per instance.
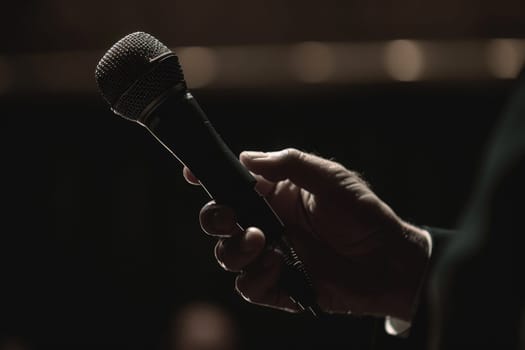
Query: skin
362,258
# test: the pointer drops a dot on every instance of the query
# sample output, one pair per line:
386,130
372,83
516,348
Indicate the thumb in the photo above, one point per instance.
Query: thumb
313,173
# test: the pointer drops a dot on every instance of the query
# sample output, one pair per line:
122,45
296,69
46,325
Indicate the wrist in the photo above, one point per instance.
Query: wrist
410,257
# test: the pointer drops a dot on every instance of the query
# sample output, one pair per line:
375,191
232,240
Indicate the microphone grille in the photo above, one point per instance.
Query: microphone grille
128,79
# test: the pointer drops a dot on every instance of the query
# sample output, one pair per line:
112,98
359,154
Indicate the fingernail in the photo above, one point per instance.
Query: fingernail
264,155
277,154
254,154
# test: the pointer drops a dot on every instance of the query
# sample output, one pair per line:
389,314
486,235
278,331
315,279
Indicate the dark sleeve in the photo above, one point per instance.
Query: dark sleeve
418,334
476,294
418,337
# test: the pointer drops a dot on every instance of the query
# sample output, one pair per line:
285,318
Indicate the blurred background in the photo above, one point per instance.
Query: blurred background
100,244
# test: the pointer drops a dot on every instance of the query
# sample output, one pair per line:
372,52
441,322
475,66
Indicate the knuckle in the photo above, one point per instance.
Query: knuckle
294,157
293,154
340,173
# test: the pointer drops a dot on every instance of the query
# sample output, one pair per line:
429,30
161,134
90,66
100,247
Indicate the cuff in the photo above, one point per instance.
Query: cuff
401,328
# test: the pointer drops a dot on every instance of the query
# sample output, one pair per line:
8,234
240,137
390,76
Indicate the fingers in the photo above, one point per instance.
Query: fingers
188,175
218,220
263,186
244,251
237,248
259,283
260,269
308,171
237,252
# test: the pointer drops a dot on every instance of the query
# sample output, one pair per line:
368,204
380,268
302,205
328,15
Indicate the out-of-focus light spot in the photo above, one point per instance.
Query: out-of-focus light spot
204,326
13,343
199,65
505,57
404,60
5,76
312,62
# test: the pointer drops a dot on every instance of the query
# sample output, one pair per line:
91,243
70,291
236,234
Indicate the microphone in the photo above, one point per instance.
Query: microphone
142,81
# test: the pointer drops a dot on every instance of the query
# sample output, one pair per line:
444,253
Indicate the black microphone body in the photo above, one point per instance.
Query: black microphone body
142,81
181,126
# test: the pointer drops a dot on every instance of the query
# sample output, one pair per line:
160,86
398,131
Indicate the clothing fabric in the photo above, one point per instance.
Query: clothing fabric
475,292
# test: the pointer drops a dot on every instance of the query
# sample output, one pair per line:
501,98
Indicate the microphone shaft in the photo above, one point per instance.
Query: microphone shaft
180,125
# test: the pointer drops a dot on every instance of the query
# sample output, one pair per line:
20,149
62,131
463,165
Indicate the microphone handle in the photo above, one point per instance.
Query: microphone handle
181,126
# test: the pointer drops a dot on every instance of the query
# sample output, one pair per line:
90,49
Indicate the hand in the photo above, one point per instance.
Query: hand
362,258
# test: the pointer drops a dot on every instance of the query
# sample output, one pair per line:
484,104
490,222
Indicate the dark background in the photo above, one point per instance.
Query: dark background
100,244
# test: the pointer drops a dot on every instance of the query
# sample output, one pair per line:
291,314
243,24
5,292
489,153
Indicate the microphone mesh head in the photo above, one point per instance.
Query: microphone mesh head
128,79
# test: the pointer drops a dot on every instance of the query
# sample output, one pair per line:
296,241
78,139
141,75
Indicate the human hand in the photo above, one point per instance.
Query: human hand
362,258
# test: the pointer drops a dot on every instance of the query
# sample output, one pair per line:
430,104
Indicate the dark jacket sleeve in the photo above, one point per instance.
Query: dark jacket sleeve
418,334
474,296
